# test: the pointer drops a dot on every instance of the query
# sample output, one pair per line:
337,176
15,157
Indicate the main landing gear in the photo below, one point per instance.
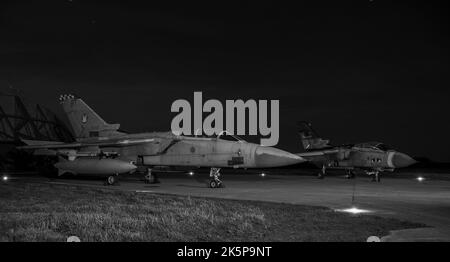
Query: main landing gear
151,178
215,182
350,174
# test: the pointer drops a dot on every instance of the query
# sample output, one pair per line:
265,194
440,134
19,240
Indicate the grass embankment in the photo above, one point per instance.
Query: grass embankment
42,212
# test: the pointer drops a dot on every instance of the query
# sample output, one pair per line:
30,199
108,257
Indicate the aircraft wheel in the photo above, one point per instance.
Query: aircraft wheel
111,180
215,184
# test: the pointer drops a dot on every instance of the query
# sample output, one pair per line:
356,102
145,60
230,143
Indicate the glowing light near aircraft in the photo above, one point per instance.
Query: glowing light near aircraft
5,178
191,173
420,179
354,210
263,174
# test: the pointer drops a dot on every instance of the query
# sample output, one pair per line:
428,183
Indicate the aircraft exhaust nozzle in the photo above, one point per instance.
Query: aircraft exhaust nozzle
273,157
96,166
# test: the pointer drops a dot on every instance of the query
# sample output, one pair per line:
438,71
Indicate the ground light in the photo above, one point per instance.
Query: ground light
5,178
354,210
191,173
263,174
420,179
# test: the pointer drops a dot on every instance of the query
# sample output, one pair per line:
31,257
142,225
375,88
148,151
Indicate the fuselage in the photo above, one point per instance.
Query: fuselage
361,158
167,149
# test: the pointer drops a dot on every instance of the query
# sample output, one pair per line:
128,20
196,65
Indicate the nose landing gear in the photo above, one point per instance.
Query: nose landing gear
375,176
321,174
215,182
151,178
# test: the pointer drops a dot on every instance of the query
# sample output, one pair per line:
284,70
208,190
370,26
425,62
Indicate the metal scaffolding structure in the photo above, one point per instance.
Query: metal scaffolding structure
22,120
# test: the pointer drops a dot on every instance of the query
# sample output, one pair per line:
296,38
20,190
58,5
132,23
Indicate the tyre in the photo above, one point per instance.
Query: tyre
111,180
213,184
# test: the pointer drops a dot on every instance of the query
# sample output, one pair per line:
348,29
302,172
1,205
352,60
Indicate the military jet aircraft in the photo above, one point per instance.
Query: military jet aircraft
371,157
101,149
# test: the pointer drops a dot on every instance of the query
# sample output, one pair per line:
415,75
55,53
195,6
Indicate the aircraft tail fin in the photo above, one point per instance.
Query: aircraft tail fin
84,121
309,137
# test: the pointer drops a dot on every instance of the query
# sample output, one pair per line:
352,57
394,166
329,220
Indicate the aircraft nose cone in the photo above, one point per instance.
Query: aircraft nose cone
402,160
273,157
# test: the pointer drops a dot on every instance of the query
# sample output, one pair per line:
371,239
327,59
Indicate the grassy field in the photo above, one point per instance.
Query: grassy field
42,212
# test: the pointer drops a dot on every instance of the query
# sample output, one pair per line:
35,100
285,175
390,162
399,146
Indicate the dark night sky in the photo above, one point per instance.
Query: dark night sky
365,71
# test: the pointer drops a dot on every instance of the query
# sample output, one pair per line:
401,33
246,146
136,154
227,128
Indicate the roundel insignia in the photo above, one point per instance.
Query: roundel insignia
84,119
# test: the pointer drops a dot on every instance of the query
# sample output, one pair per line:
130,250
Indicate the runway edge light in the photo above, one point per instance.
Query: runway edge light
353,210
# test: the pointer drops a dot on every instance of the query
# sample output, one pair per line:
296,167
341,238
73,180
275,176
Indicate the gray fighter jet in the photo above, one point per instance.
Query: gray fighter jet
101,149
371,157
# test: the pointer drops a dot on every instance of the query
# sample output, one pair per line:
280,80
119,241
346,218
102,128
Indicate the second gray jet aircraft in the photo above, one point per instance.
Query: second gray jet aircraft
371,157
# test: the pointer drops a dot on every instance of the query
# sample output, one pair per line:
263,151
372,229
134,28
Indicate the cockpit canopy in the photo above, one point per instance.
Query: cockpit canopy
375,145
224,135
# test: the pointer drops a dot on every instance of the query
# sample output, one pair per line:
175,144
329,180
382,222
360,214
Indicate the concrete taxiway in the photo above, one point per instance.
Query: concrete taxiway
426,201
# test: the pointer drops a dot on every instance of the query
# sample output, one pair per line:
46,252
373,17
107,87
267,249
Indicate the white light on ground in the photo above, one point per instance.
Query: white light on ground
354,210
191,173
5,178
420,179
263,174
73,239
373,239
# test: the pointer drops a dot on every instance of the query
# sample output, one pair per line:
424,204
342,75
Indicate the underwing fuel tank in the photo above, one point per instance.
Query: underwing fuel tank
95,166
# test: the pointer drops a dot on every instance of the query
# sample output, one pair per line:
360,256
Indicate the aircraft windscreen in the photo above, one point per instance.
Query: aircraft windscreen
383,147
